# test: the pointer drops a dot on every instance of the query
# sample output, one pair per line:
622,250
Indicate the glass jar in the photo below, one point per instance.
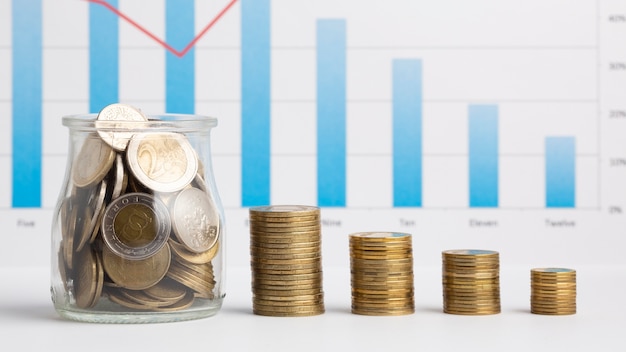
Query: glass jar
138,229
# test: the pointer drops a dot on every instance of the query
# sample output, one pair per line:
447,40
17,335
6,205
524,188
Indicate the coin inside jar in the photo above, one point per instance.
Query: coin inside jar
195,220
136,225
118,117
163,162
92,163
137,274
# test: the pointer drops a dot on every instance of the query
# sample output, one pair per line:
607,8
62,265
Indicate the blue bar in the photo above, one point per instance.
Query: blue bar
331,113
27,102
179,71
560,172
103,56
255,102
483,155
407,133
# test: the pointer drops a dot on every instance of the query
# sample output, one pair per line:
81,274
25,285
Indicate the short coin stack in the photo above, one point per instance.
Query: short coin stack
381,266
553,291
471,282
286,260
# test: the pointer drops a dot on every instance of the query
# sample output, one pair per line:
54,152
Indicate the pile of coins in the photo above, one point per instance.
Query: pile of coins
286,260
471,282
381,267
553,291
138,224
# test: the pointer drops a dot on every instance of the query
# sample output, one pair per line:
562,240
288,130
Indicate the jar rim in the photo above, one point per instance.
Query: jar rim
168,121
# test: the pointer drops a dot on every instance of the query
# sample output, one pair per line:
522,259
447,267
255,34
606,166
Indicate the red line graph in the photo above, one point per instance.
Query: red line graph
163,43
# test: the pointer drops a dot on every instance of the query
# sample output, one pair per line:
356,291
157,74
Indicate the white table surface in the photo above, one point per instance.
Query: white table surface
28,321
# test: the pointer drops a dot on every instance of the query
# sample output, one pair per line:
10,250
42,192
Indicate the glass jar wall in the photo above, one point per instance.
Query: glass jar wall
138,229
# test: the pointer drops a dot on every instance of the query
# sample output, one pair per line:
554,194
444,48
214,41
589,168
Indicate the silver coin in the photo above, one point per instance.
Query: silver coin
163,162
195,220
120,178
92,163
118,116
136,225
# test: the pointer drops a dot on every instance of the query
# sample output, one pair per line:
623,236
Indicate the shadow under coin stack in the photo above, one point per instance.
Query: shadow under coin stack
381,266
286,260
553,291
471,282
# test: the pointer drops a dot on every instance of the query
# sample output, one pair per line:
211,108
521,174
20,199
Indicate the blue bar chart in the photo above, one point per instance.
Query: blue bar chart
331,112
388,118
255,102
103,57
180,70
483,155
560,172
27,96
407,132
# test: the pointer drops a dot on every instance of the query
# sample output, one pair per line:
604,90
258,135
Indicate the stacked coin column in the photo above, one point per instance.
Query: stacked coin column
553,291
286,260
471,282
381,266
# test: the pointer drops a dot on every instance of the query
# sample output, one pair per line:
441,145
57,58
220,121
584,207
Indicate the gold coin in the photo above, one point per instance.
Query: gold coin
376,236
285,231
262,261
284,220
297,265
140,297
86,279
69,226
256,285
91,214
136,226
281,277
117,297
472,311
166,290
293,257
198,283
308,245
402,260
162,161
553,271
285,272
184,303
382,311
271,225
202,271
287,293
196,258
286,240
284,210
285,301
99,277
260,310
288,250
137,274
553,285
93,162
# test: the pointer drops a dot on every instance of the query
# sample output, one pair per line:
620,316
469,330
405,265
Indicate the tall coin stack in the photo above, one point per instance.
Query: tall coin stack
553,291
471,282
286,260
381,266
